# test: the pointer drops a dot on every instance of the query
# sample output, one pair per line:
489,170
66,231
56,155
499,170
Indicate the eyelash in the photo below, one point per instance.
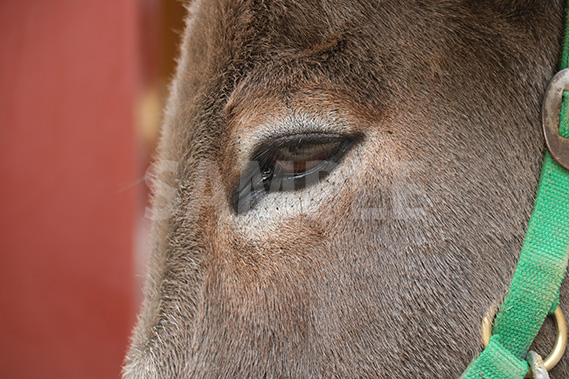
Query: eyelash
267,173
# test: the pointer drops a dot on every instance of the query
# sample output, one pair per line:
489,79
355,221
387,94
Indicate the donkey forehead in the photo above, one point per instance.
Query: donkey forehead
355,60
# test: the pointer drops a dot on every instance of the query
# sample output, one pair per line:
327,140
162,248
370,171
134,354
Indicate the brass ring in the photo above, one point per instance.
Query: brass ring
560,342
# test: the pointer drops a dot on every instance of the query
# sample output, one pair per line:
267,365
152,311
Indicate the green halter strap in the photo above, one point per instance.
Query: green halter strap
534,290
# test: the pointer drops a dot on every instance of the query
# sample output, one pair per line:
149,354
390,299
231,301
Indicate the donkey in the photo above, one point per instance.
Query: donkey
344,186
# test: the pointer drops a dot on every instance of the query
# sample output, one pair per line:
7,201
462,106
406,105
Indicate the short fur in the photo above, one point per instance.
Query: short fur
447,94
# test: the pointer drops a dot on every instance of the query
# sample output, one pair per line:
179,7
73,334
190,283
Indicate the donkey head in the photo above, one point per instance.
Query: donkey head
343,187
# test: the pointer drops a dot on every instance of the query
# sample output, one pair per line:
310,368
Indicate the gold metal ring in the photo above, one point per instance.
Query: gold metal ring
560,342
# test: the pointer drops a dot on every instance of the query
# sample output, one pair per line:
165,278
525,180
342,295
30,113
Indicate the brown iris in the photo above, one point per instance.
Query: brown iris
303,158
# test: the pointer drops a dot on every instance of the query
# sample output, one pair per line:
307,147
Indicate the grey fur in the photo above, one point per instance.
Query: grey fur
447,94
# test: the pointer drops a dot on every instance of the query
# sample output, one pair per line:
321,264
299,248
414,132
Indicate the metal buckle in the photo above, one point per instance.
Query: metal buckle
557,145
560,342
536,366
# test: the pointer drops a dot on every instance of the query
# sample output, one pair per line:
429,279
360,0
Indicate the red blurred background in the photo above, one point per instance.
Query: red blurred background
81,88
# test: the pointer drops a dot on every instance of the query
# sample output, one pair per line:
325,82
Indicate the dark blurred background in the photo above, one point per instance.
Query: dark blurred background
82,85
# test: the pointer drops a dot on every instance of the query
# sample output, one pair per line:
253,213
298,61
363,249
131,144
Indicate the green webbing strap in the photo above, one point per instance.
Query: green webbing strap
534,290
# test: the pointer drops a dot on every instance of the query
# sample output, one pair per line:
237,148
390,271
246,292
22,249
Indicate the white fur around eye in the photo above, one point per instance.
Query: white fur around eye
310,201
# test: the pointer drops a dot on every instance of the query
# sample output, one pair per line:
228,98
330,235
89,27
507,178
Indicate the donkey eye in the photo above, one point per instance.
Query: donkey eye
288,164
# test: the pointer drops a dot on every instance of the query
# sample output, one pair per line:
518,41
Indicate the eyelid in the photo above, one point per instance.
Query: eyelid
265,149
308,152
